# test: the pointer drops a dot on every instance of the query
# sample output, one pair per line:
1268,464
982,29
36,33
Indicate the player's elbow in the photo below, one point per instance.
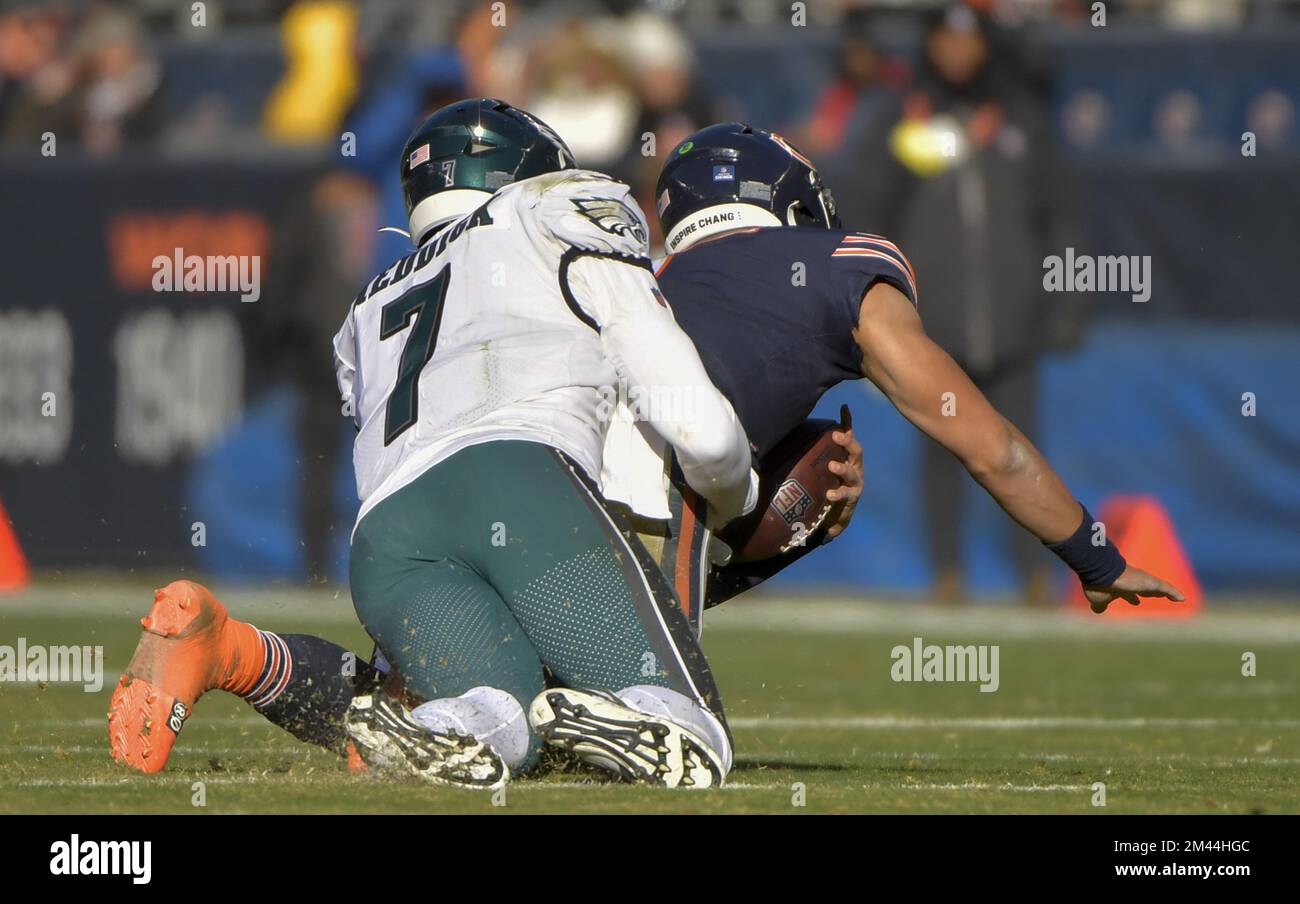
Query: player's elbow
720,453
1001,456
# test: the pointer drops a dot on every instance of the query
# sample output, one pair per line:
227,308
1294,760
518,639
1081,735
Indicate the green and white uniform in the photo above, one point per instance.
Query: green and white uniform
479,369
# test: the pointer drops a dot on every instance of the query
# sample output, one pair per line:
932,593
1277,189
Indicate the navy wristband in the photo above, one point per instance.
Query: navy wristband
1096,566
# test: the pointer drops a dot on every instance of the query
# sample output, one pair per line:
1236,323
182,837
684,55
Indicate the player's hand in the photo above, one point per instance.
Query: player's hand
1130,585
849,472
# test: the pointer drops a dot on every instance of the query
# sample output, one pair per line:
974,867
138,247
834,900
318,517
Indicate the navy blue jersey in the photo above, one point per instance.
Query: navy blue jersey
772,313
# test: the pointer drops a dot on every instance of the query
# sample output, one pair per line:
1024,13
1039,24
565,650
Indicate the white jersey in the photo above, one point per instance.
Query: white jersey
513,323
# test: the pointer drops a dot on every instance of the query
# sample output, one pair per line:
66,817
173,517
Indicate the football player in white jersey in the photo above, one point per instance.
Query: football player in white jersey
478,370
476,367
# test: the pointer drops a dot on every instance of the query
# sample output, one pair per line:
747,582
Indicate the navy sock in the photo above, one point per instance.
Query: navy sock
307,685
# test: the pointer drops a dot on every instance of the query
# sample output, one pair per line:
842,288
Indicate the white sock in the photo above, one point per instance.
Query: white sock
669,704
489,714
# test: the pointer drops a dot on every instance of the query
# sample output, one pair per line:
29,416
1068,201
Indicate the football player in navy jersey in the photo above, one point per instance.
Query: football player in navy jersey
782,305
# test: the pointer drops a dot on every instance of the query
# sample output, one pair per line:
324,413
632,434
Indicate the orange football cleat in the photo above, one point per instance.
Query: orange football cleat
190,645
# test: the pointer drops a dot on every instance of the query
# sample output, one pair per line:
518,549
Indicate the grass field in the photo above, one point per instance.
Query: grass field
1159,712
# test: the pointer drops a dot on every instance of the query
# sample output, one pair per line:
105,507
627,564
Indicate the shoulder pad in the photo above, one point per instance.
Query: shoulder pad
591,210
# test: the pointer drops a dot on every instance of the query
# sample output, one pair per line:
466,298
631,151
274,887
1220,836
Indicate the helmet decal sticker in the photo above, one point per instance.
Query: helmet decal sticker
447,169
418,156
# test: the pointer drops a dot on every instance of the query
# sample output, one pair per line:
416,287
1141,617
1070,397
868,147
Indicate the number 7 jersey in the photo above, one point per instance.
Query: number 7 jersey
510,324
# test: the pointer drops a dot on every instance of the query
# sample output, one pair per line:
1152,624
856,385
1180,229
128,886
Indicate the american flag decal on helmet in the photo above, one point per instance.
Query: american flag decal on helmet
864,244
418,156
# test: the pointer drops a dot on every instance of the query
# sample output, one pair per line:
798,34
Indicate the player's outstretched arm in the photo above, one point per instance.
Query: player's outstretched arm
931,391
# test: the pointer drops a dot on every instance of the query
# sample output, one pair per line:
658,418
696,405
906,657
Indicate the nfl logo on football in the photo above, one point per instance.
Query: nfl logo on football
791,501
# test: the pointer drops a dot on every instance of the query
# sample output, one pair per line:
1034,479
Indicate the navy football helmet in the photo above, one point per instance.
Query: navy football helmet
733,175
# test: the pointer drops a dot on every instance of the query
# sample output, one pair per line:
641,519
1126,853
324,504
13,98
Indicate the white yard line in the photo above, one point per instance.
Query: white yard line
776,761
996,623
998,722
102,722
729,786
103,749
770,760
1272,623
122,599
529,788
524,787
974,786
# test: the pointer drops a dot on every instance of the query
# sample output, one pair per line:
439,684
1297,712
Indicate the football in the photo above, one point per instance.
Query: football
793,482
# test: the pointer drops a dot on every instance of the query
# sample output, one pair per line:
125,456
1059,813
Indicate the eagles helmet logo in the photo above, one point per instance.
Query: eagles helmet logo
611,215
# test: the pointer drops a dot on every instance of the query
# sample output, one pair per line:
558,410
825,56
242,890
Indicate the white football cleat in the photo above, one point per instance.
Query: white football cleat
392,743
602,730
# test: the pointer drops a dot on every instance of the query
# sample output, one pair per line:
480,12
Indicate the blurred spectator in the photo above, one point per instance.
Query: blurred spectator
493,58
120,101
1204,14
967,183
97,85
1272,117
397,91
321,254
673,106
863,93
320,80
662,62
37,75
582,88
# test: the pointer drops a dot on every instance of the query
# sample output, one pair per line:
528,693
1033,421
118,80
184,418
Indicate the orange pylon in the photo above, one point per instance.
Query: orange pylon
14,573
1142,529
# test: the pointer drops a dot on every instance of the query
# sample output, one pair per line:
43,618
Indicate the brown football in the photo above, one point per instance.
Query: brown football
793,480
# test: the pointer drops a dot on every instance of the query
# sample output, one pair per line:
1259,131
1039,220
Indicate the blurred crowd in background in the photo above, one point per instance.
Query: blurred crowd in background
113,74
941,124
239,77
